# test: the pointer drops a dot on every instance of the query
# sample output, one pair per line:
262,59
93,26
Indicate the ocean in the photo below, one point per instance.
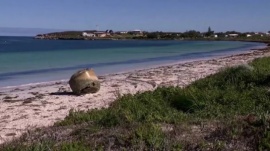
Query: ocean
24,60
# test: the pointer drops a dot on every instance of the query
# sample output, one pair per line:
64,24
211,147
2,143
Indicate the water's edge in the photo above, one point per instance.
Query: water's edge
215,56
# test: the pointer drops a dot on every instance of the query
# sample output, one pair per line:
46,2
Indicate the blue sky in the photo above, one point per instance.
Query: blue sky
150,15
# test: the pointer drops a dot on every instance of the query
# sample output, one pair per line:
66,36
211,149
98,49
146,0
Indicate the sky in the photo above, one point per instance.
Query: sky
35,16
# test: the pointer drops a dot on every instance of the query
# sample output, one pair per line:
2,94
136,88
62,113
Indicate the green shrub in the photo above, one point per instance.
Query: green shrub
150,135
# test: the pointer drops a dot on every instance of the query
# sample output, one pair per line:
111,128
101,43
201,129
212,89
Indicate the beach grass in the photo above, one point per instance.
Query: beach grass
225,111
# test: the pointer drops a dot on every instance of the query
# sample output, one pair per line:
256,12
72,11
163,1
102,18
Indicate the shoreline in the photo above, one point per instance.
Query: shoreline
33,106
215,55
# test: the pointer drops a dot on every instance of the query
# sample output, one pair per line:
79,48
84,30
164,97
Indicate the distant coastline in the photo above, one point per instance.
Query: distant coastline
144,35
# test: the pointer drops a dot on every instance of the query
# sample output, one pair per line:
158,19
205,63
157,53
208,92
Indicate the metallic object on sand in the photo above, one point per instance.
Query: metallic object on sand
84,81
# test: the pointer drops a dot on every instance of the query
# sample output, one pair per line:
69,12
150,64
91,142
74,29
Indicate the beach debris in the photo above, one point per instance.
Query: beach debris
84,81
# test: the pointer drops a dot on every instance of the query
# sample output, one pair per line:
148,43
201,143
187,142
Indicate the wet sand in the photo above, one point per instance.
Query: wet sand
23,108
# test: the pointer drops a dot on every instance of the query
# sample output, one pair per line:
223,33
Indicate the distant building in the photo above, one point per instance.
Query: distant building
136,32
233,35
249,35
85,34
216,36
101,34
260,34
121,32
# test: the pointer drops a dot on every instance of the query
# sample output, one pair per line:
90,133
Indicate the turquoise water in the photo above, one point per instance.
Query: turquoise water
25,60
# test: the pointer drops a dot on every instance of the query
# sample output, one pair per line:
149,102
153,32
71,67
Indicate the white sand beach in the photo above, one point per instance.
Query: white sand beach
23,108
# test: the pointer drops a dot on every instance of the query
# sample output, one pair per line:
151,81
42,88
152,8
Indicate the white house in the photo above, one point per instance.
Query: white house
85,34
216,36
101,34
249,35
123,32
233,35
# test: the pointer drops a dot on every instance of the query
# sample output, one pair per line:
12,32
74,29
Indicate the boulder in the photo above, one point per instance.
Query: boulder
84,81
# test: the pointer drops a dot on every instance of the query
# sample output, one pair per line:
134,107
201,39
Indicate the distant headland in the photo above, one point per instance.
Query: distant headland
158,35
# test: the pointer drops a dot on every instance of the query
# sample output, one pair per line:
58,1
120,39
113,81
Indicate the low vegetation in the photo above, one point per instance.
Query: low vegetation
225,111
